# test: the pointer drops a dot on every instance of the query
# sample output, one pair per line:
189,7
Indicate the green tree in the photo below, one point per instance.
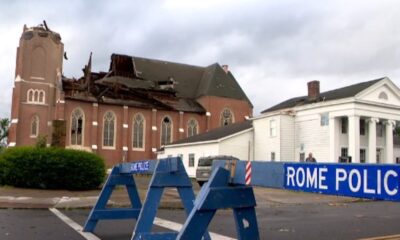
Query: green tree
4,126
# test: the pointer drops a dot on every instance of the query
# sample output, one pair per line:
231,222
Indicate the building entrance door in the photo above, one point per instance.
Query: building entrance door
379,155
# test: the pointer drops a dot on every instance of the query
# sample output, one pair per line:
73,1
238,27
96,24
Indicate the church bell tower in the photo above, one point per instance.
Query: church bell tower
37,91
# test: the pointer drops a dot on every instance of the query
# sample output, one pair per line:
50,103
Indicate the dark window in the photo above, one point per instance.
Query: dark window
272,156
324,119
362,156
343,152
302,157
379,129
362,127
191,159
378,155
345,123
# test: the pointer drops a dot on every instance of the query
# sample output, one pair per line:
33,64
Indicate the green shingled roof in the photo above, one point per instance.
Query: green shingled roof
190,81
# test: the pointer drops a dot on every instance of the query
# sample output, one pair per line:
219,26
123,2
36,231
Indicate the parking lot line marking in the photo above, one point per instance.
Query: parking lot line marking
390,237
157,221
73,225
177,227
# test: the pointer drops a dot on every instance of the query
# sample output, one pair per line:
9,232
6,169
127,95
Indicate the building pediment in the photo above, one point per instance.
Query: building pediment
382,92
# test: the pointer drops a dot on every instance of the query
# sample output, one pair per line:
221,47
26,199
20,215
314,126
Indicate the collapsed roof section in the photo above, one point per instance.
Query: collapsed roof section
148,83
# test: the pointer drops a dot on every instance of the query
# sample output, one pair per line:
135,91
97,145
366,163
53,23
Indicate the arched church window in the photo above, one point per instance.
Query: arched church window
166,131
34,126
192,127
77,126
109,129
138,131
226,117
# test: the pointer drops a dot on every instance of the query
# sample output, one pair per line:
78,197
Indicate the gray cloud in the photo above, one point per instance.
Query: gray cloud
272,47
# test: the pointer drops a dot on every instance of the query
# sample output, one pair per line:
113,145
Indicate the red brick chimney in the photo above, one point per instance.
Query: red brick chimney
313,90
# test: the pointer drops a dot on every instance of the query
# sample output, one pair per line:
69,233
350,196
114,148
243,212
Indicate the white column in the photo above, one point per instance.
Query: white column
389,141
354,138
372,140
333,139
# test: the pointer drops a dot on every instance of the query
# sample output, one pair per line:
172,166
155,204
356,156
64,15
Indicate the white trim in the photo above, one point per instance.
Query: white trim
95,104
139,149
210,141
125,148
125,107
95,123
49,123
14,120
154,110
125,125
94,146
181,112
18,79
37,78
208,114
154,128
12,144
154,149
181,130
61,101
40,83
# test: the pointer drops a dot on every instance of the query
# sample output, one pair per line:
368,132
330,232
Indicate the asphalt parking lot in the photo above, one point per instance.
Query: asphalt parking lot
352,220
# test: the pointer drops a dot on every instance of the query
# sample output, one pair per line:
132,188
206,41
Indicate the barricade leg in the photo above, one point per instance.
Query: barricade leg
99,211
219,194
168,173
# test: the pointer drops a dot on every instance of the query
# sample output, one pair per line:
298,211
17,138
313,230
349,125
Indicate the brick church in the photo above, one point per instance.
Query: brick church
125,113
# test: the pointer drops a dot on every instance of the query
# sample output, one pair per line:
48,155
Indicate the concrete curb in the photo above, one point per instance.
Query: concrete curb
72,202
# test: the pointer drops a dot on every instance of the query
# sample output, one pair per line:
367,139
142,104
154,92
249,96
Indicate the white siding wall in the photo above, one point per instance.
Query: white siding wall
238,146
200,150
264,144
287,133
313,136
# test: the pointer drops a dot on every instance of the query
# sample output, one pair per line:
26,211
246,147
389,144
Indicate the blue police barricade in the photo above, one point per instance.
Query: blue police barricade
223,190
121,174
168,173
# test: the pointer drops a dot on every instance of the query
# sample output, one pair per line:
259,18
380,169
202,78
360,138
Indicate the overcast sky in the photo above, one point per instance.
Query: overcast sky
273,48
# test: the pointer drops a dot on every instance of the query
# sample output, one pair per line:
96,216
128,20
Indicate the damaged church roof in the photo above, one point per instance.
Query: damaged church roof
150,83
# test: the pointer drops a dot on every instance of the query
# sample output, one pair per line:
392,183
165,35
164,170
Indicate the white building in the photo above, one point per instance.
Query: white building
234,140
356,121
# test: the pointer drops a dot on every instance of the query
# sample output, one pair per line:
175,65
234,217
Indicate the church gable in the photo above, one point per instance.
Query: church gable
383,92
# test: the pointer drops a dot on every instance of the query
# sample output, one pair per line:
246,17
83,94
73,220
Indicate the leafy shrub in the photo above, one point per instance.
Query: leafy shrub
51,168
